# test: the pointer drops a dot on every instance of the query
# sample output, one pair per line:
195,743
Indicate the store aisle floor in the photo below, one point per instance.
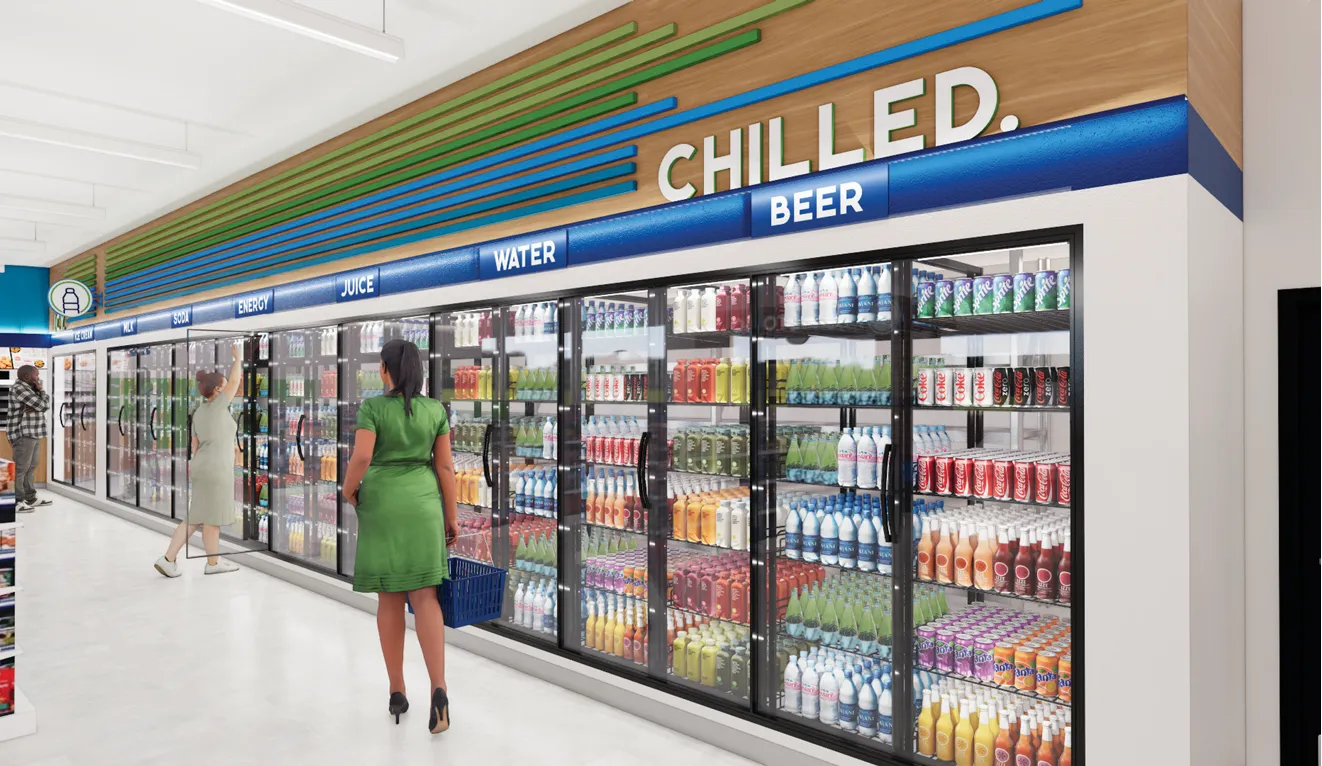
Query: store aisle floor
127,667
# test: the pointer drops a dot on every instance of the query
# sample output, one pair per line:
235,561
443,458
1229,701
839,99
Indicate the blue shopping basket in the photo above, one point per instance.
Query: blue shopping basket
474,593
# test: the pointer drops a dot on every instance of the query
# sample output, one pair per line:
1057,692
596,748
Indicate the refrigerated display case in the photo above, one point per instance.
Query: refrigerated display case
157,402
303,446
121,434
73,440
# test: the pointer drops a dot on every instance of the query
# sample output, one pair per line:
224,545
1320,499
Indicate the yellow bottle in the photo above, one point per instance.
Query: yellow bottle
694,508
590,627
709,651
971,713
782,379
926,732
680,520
739,381
694,659
680,664
945,733
709,521
617,640
605,627
722,392
984,741
964,737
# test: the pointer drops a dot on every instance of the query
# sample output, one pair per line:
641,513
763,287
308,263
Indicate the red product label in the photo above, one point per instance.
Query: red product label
1023,581
981,388
960,466
924,387
1023,482
1063,493
942,561
1000,488
925,467
942,466
961,563
1045,589
982,478
1045,484
980,566
1064,594
1001,573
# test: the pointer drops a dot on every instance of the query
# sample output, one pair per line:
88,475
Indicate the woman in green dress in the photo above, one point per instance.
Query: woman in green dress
401,480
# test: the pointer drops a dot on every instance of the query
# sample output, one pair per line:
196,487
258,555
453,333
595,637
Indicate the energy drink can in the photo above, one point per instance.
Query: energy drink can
982,295
1002,294
1044,291
925,297
945,298
1063,289
1024,292
963,297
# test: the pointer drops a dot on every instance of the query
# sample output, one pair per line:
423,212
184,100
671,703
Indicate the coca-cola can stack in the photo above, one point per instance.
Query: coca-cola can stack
993,474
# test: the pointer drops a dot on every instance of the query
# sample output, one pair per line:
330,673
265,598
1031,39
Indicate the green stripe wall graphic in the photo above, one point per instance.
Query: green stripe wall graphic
384,186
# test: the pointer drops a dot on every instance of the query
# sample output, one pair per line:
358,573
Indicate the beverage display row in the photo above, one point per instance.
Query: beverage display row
1024,292
849,531
972,726
993,474
716,450
716,517
719,308
1039,386
613,319
709,380
843,296
834,382
1005,549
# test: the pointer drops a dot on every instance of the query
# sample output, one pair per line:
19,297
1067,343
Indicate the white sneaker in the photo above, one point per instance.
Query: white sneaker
167,567
22,507
221,567
40,501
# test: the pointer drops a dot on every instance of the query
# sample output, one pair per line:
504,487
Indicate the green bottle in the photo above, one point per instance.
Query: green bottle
794,461
849,383
867,634
826,449
941,601
521,552
848,628
794,615
883,366
812,383
812,620
794,384
830,624
830,383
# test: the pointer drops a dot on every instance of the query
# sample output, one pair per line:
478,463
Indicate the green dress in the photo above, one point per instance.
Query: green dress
401,522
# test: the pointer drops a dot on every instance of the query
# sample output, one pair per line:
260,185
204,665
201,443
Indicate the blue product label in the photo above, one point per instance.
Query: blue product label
846,305
811,543
848,549
867,719
867,551
793,541
867,303
884,725
848,715
884,554
883,302
830,546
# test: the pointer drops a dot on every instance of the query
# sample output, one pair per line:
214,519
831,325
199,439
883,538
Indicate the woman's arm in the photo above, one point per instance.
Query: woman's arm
364,441
235,378
444,463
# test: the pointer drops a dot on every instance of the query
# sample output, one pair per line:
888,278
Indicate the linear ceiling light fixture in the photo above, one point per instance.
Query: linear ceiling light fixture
317,25
28,204
95,142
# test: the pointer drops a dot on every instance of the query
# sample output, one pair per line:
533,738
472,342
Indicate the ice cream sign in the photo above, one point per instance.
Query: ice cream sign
69,298
756,154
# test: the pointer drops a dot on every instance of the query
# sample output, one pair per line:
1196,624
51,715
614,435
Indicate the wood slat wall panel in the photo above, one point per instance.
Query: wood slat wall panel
1216,66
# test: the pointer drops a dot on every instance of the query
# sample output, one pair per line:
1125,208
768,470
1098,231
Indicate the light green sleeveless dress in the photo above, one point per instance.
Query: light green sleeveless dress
211,471
401,521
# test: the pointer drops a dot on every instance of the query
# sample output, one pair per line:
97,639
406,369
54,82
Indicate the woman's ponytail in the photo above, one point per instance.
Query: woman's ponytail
404,364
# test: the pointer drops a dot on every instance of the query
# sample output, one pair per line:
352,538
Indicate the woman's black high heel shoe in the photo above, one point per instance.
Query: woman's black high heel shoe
399,704
440,712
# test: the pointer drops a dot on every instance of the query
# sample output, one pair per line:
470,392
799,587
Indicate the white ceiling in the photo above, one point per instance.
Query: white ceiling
199,85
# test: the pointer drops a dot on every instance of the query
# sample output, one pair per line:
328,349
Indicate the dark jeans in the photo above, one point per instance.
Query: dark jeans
25,460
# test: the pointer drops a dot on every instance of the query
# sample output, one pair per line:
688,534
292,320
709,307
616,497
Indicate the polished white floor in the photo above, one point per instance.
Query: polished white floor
127,667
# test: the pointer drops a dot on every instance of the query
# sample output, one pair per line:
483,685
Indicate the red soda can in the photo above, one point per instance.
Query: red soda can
1044,386
617,450
982,387
1062,386
1023,481
1063,493
1021,388
961,386
632,457
1044,482
925,470
926,397
1002,480
941,472
960,469
982,477
941,388
590,444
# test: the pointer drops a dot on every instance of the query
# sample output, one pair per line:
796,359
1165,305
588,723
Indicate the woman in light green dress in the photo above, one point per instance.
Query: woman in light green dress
210,471
401,481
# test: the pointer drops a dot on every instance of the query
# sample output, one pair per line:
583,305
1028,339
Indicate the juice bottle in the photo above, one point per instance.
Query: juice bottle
1023,749
926,553
984,740
739,381
694,658
692,387
1046,754
605,630
721,378
723,666
1003,747
617,641
708,520
739,599
679,518
706,381
1066,755
964,558
945,733
679,654
944,555
709,650
926,733
1046,571
679,386
628,636
693,532
983,557
590,626
964,736
1023,567
1063,581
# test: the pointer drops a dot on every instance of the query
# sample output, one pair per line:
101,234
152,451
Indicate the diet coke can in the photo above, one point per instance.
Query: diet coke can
982,387
1063,493
961,386
924,473
960,480
1044,482
1062,386
982,477
1002,379
1044,386
1022,481
1021,389
926,387
1002,480
941,474
941,387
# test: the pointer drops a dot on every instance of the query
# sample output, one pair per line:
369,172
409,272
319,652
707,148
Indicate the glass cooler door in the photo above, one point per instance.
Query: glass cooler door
121,434
990,425
64,422
826,458
83,415
155,426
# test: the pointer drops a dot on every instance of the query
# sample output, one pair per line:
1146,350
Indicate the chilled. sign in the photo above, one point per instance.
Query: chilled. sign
253,304
356,285
524,255
826,199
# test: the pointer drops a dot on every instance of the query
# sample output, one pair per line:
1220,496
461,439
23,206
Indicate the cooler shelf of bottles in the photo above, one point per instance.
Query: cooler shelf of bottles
783,638
608,528
997,593
836,567
722,618
992,324
974,680
701,340
675,541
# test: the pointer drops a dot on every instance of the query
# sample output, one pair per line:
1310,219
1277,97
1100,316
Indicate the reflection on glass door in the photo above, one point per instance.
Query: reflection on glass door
991,428
64,426
360,378
121,433
828,459
155,410
303,447
82,415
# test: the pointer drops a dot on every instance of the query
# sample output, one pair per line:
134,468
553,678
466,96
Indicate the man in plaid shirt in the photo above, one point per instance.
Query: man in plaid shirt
28,406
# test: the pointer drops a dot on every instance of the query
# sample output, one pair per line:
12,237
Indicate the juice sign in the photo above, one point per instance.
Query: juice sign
253,304
519,255
828,199
356,285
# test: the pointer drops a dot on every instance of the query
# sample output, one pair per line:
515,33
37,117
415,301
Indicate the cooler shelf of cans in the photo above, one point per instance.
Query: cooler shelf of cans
993,408
974,680
1000,594
992,324
970,498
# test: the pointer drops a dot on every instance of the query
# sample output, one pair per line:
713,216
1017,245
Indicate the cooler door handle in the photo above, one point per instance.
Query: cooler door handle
642,469
486,455
151,423
237,440
82,417
298,437
888,476
119,420
63,423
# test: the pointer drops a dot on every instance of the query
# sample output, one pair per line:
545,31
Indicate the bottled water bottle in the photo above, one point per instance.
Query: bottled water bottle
828,300
846,459
808,300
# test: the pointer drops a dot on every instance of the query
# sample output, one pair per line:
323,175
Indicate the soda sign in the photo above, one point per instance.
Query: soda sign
181,317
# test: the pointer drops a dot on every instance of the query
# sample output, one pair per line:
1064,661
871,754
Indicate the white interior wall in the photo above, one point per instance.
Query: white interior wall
1215,354
1282,247
1136,319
